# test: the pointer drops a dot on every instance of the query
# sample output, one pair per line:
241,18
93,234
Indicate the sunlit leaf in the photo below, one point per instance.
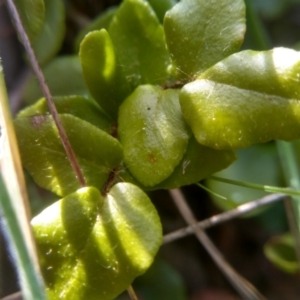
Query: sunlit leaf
200,33
153,133
248,98
102,72
92,247
44,157
139,42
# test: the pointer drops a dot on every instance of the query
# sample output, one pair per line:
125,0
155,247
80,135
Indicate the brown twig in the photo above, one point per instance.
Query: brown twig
132,293
46,92
223,217
242,286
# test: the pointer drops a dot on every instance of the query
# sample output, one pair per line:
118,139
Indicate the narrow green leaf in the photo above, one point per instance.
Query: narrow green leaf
248,98
153,133
200,33
281,252
102,71
14,205
63,76
259,164
78,106
139,43
92,247
44,157
197,163
32,14
50,37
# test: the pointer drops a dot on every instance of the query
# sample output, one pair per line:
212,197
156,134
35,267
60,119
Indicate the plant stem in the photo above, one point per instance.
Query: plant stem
132,293
223,217
242,286
46,92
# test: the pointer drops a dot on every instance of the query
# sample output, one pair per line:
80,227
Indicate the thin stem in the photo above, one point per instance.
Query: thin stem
242,286
132,293
223,217
46,92
266,188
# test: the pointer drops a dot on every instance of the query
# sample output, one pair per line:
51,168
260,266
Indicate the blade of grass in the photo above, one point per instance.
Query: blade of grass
15,207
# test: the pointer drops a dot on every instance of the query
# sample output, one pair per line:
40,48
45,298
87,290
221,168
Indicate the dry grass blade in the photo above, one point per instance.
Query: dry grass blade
242,286
223,217
14,204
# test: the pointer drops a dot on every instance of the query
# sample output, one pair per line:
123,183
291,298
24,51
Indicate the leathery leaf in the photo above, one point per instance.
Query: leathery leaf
199,33
139,42
44,157
102,72
153,133
248,98
93,246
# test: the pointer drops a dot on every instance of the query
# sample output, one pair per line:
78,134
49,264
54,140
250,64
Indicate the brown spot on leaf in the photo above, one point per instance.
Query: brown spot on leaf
37,121
152,158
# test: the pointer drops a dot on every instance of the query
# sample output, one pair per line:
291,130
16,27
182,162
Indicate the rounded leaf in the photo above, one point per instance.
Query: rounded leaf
92,247
153,133
44,157
32,15
63,76
248,98
199,33
51,35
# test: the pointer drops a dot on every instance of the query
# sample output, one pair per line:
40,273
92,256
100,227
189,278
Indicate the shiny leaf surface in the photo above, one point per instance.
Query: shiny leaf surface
153,133
92,247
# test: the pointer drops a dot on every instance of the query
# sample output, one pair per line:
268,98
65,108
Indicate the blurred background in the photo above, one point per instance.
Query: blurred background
183,269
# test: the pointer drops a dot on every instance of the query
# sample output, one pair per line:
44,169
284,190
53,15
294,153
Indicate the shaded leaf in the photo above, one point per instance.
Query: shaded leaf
78,106
63,76
139,42
153,133
102,72
32,14
200,33
92,247
50,37
197,163
248,98
44,156
280,250
161,7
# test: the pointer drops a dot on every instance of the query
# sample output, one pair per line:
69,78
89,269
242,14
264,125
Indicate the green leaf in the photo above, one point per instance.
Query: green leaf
197,163
200,33
161,7
281,252
63,76
139,43
78,106
51,36
248,98
102,72
258,164
92,247
32,15
44,157
153,133
101,22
